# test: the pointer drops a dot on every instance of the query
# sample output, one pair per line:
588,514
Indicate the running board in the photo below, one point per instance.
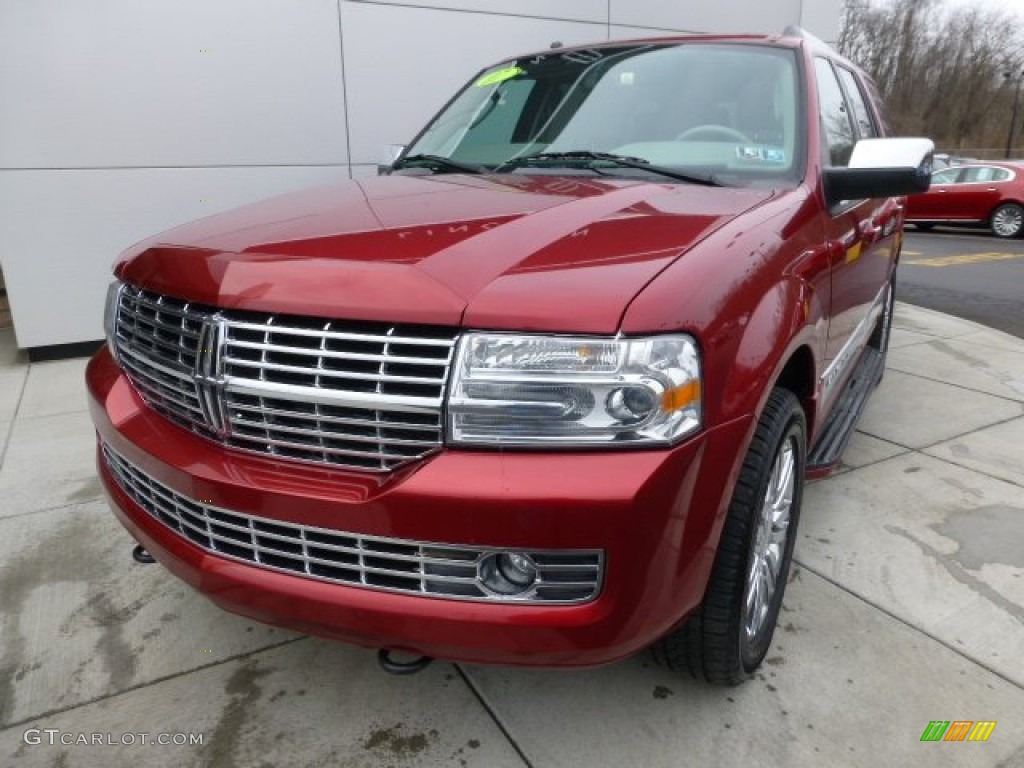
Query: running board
836,432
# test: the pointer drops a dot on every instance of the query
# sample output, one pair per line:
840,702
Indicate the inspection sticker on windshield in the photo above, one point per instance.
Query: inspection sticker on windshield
772,155
499,76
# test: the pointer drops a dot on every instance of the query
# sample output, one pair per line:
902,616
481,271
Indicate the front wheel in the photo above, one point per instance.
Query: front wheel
728,636
1007,220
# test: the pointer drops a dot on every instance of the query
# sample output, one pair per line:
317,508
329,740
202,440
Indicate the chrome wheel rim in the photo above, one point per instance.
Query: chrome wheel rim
1007,221
770,537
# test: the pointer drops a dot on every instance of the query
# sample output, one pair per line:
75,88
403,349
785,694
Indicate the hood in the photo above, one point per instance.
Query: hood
529,252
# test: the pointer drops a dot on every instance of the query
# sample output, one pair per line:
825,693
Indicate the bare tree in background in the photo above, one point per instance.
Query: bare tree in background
941,70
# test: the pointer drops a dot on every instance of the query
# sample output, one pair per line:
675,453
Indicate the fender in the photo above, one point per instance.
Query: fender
748,320
775,330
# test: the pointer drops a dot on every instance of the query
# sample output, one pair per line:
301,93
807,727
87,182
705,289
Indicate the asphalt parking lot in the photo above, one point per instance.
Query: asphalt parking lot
906,606
968,273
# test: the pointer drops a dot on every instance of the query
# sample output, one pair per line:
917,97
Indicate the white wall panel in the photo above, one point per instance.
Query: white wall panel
570,10
61,231
102,83
174,102
362,171
623,32
822,18
760,16
394,95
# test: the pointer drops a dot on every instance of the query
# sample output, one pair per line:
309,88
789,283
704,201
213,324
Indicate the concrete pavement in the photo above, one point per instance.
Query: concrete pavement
906,605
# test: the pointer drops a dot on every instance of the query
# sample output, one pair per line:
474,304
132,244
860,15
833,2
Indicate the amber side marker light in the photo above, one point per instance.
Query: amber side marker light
681,397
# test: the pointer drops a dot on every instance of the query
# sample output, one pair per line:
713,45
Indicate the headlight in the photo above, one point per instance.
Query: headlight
110,316
543,390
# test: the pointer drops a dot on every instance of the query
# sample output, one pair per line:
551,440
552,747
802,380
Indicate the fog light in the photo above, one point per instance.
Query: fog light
517,568
507,573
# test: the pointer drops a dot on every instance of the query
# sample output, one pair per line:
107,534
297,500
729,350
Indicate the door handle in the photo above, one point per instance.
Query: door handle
886,225
869,231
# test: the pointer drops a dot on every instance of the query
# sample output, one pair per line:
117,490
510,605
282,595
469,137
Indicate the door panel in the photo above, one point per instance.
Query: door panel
862,242
973,196
970,202
932,204
861,235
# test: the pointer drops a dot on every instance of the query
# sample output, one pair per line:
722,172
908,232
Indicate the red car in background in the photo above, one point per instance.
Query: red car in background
989,194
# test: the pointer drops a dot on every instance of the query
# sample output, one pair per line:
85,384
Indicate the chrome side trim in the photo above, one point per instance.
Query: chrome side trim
854,345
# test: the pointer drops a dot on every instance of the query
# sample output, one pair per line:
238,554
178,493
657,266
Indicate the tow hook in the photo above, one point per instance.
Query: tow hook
140,555
389,665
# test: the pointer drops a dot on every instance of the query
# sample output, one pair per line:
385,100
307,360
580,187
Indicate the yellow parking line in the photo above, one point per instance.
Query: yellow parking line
913,253
964,258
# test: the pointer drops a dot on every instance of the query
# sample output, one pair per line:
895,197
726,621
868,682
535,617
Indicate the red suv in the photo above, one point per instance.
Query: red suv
546,392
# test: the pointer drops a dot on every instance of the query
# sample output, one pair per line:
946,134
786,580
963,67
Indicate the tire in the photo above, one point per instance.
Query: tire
727,638
924,226
1007,221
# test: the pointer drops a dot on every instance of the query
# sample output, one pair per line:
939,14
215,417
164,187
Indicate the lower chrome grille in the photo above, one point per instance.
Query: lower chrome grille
395,565
344,393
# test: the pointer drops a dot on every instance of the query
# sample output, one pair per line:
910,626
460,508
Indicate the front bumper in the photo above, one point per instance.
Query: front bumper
655,515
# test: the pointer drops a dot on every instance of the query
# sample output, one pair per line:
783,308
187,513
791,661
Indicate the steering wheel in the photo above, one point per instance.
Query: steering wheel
714,133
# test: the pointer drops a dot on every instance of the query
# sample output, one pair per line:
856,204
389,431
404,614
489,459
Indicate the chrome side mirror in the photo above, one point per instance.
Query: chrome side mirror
882,168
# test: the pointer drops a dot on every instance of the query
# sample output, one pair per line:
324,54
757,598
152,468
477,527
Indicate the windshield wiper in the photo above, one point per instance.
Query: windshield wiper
622,160
438,161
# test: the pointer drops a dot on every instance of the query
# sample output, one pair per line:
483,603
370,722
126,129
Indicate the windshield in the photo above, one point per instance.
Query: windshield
702,108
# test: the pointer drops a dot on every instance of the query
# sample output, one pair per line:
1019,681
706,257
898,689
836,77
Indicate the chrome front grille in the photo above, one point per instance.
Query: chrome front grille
361,395
158,346
353,363
396,565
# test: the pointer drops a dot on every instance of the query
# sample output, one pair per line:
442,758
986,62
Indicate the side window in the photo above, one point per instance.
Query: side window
987,173
835,118
865,125
980,173
947,176
876,98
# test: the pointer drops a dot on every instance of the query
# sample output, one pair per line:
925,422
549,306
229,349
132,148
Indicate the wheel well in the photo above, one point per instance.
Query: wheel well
798,377
1018,203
